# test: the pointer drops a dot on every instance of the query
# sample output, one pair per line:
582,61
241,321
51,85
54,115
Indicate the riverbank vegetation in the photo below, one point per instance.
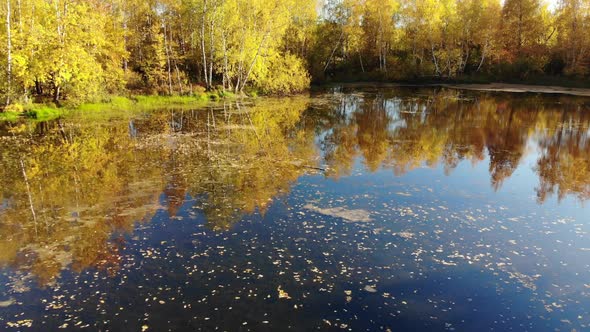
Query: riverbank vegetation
70,52
133,104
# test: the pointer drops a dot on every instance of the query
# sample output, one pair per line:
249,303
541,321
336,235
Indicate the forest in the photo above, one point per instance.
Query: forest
87,50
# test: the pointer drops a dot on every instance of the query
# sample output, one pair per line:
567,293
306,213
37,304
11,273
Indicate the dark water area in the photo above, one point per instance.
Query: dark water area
352,209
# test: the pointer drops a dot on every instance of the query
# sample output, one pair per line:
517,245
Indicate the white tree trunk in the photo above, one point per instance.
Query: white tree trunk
203,48
9,53
166,46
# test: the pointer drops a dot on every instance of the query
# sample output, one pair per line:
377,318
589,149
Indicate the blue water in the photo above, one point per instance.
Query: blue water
294,239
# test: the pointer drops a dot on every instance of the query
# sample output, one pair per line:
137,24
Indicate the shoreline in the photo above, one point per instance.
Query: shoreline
120,104
138,102
486,87
521,88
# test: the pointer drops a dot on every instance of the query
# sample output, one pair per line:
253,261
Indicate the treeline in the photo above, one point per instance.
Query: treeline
82,50
413,39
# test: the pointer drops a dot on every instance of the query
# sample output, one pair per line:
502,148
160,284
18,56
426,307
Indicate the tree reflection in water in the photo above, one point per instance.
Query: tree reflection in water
70,189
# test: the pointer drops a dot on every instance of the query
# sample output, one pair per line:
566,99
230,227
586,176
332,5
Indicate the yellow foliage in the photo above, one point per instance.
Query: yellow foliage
285,75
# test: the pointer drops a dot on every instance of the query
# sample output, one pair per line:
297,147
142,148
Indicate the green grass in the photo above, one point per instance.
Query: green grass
146,103
227,95
153,102
9,116
43,112
38,112
115,105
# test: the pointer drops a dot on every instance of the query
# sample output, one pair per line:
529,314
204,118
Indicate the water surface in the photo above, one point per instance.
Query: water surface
352,209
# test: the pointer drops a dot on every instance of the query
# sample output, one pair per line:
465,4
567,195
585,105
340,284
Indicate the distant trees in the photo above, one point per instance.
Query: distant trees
525,34
521,26
573,36
83,50
448,38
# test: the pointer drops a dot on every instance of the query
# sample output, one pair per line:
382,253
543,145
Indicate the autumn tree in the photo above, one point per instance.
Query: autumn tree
379,29
573,38
525,32
86,50
477,23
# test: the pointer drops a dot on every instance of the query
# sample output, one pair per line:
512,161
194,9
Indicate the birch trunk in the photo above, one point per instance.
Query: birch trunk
203,49
166,46
262,42
8,53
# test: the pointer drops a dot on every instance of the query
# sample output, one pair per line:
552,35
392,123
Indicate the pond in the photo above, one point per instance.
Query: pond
359,209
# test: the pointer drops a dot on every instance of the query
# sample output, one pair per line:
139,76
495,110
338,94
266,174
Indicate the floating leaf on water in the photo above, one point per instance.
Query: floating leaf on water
370,289
283,294
7,303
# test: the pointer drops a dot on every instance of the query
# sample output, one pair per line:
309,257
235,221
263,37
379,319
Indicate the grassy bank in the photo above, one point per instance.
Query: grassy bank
44,112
